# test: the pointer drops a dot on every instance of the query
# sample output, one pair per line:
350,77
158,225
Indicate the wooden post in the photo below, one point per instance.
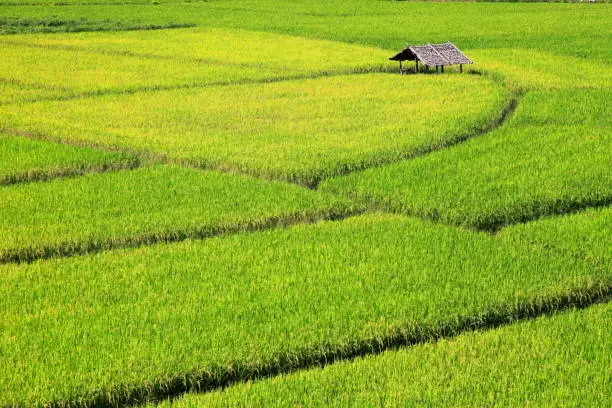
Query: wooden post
416,71
461,68
442,68
426,68
400,67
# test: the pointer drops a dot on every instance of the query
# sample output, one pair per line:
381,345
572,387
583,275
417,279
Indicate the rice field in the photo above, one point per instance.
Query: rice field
23,160
551,157
137,322
76,65
313,128
584,234
152,204
243,203
531,363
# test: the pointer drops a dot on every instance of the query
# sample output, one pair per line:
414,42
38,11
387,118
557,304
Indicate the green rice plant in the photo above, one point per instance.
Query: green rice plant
552,157
556,28
62,73
24,159
585,234
300,131
524,69
11,91
72,64
53,24
147,205
279,54
133,324
560,360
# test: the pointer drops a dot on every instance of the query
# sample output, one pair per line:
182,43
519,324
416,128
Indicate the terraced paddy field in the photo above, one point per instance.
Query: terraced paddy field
242,203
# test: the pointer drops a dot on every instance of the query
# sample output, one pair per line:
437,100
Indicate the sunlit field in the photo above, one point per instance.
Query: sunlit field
313,128
243,203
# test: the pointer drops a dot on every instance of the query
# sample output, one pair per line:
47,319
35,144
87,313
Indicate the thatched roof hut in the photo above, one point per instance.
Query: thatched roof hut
432,55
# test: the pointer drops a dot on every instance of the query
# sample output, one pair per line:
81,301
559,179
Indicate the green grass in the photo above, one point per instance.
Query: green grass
552,157
23,160
147,205
585,234
300,131
130,324
533,363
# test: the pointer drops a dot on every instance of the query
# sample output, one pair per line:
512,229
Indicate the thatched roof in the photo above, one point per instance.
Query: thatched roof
433,54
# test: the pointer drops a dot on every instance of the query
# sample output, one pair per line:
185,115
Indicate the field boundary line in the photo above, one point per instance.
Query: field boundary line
162,88
559,208
221,376
31,85
496,122
69,249
308,181
41,175
129,54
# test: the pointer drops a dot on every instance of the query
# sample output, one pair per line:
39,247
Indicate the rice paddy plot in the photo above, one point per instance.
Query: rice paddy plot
24,159
585,234
10,24
301,131
552,157
525,69
560,360
146,205
67,73
242,50
90,63
12,91
71,64
557,28
130,324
